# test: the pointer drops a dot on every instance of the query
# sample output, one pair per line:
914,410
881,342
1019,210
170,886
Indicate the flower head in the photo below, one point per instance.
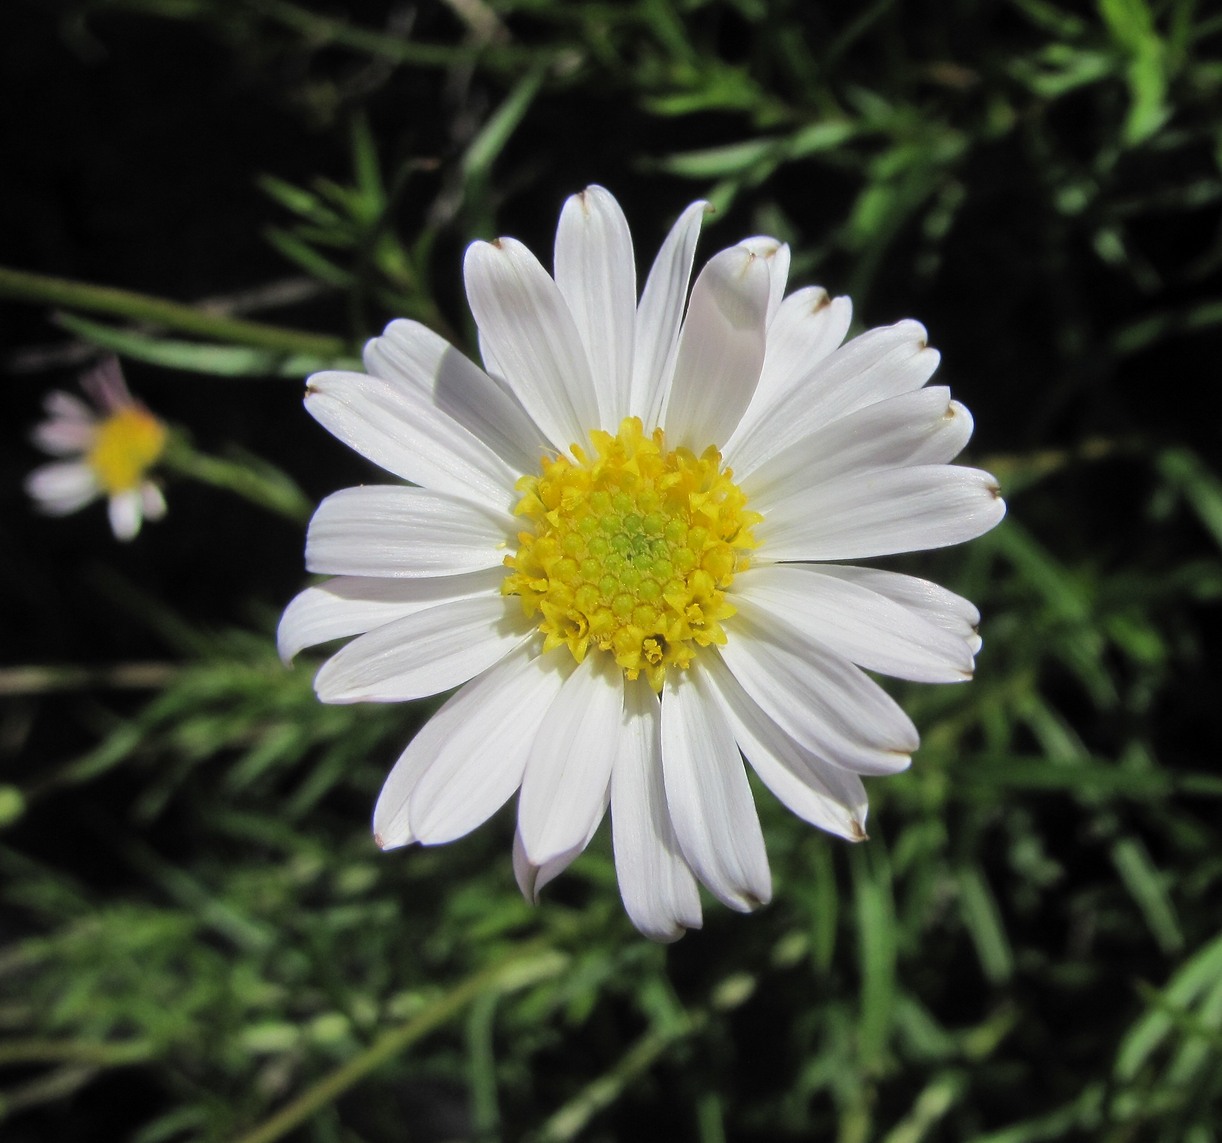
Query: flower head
113,444
621,541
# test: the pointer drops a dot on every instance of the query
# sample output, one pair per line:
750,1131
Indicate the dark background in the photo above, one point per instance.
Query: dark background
134,136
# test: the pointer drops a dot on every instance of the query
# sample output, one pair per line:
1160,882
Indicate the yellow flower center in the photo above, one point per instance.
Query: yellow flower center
125,445
630,550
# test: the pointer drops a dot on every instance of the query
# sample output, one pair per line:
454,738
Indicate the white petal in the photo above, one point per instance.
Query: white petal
411,354
61,406
826,796
826,704
882,512
721,351
152,501
352,605
399,428
709,796
564,789
476,746
776,256
62,488
850,620
924,427
477,742
527,325
424,653
881,363
386,530
930,601
533,879
657,885
125,514
63,436
596,273
660,313
808,327
105,384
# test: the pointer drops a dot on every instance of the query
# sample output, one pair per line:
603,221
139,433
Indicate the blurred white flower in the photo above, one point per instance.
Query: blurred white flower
613,544
112,444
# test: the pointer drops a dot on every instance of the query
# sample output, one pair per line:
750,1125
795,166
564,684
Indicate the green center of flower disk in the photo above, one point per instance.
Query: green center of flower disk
125,446
630,550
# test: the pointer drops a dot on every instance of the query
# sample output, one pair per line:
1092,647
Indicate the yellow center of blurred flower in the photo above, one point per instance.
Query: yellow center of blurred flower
631,550
125,445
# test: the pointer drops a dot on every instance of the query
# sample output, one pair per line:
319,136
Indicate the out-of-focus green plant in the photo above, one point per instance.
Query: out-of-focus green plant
1027,949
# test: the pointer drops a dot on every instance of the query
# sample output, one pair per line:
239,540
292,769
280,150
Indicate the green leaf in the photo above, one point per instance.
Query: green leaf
816,138
1131,25
876,937
200,357
298,250
717,162
1148,889
1198,978
983,920
1187,473
492,138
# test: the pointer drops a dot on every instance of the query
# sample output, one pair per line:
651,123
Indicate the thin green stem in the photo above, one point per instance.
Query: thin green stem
31,680
37,1051
1018,471
263,486
571,1120
481,1063
398,49
23,286
49,1087
515,970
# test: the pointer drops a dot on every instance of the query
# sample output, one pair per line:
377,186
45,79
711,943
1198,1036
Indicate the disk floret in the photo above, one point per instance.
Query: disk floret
127,443
630,550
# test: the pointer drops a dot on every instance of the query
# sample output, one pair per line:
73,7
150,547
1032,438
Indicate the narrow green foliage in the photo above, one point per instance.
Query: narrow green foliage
194,912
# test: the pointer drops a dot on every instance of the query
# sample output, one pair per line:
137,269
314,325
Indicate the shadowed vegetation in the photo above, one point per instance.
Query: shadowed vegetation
199,940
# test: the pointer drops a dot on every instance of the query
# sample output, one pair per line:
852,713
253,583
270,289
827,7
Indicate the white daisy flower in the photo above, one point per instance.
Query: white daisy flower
621,541
112,445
